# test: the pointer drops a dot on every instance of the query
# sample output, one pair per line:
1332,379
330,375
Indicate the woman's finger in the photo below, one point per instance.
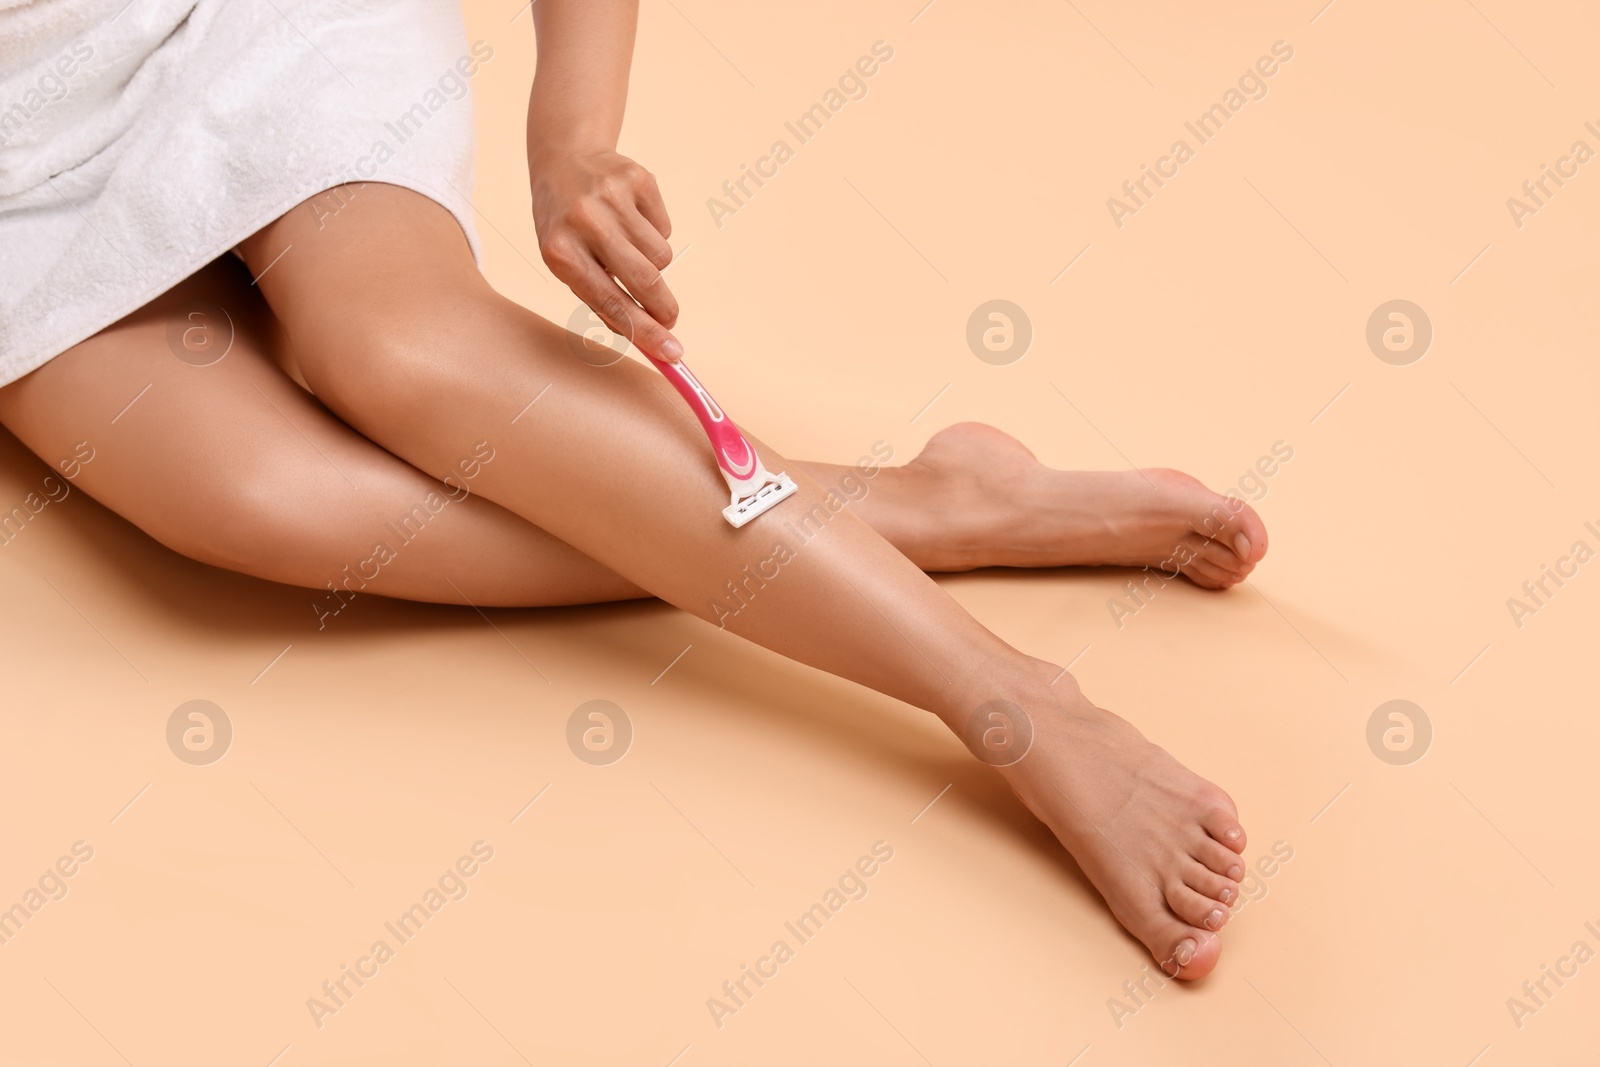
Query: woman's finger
649,289
645,238
648,200
622,315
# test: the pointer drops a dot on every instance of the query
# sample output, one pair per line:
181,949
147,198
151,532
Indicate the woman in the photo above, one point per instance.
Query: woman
327,144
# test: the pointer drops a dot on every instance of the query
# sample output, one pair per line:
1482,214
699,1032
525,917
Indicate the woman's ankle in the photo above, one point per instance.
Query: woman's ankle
998,718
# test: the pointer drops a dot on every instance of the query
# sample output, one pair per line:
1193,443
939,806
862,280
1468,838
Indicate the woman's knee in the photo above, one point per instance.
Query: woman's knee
399,361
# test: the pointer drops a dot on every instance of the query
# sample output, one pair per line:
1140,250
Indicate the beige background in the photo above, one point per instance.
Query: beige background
1226,315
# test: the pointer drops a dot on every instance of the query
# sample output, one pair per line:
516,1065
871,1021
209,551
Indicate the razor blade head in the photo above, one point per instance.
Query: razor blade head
743,510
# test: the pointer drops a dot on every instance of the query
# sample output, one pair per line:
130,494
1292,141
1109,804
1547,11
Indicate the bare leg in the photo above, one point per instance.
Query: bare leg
235,465
298,497
399,335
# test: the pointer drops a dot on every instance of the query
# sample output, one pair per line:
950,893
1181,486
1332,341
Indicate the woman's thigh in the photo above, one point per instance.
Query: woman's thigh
200,438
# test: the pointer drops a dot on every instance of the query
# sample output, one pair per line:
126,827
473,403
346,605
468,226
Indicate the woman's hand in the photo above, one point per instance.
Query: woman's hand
600,217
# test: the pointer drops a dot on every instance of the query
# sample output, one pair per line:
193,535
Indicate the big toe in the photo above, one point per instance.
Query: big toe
1227,520
1185,952
1180,949
1203,956
1241,530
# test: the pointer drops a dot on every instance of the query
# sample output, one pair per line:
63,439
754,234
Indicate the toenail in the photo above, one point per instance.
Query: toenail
1185,952
1241,544
1214,920
1227,895
1235,872
1235,833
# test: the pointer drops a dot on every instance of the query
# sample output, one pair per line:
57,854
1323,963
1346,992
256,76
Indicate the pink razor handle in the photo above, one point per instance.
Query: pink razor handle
754,488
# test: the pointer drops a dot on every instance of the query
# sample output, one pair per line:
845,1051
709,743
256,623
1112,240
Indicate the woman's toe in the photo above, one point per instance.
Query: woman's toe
1207,575
1222,823
1210,884
1219,858
1195,908
1185,952
1242,531
1223,558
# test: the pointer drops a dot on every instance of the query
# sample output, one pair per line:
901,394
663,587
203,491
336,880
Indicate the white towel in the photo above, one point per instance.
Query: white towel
141,139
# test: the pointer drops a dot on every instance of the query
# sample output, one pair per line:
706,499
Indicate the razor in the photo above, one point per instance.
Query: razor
754,488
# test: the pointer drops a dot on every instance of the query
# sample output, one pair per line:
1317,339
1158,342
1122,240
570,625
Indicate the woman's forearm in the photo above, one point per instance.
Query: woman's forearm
602,224
580,86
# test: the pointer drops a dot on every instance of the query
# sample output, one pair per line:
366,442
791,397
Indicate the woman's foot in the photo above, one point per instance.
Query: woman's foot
990,503
1160,843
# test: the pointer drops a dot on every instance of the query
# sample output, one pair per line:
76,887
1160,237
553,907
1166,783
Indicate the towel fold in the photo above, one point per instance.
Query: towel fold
141,139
